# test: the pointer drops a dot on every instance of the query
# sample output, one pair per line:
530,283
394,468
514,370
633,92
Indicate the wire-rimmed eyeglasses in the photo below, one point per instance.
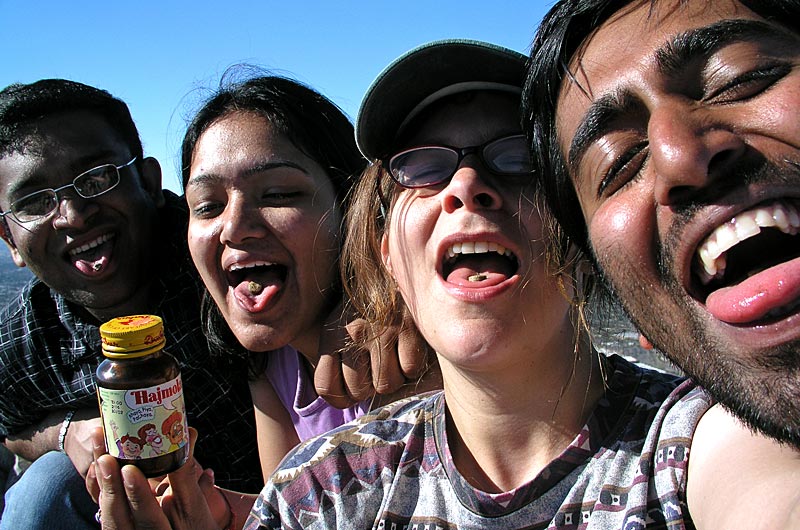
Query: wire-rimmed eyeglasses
42,203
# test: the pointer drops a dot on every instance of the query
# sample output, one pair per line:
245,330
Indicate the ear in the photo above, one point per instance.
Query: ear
385,259
151,180
645,343
5,233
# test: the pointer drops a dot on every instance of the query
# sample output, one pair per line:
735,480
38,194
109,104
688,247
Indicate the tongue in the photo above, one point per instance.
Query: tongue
480,270
752,299
93,262
256,290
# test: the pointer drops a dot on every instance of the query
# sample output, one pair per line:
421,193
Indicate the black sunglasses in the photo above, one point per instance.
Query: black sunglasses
421,167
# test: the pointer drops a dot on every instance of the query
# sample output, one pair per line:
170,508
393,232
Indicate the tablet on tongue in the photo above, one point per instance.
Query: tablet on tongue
256,290
93,261
752,299
480,270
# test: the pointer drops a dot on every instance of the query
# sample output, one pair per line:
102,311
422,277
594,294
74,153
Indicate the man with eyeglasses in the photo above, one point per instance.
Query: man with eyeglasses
83,209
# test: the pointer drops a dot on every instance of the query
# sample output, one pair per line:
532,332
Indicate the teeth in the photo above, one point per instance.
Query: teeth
238,267
90,245
478,247
711,253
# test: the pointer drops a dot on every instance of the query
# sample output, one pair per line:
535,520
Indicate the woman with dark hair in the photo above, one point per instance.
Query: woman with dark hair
266,168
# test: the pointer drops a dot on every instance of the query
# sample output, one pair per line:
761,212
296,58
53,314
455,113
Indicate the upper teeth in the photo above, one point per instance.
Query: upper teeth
477,247
91,244
711,252
239,266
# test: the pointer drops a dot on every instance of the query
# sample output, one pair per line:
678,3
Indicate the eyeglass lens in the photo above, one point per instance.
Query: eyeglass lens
431,165
89,184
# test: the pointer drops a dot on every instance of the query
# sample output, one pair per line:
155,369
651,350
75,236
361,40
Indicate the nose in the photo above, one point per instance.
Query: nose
469,188
73,211
689,153
241,221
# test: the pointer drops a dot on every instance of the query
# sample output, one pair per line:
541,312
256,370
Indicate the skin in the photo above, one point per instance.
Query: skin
255,197
683,152
502,374
68,144
65,145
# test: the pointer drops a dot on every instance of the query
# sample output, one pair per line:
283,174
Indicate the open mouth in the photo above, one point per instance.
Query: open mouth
478,264
93,257
740,255
256,283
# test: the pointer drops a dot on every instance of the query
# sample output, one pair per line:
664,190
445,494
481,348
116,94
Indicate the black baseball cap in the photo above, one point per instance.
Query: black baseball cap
426,74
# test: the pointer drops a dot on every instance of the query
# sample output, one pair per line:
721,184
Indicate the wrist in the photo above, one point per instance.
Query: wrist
62,433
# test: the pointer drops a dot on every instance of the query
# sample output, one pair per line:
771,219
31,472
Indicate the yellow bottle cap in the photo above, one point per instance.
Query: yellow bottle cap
132,336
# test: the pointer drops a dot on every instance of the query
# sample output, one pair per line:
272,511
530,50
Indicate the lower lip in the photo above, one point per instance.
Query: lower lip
479,294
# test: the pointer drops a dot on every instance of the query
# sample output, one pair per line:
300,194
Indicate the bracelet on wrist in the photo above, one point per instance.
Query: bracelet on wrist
62,433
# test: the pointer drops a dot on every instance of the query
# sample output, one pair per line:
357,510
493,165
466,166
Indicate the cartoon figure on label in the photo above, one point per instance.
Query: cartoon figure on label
173,430
131,447
149,435
115,436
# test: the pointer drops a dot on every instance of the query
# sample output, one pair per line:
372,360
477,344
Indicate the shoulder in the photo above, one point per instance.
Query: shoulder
351,466
728,461
378,436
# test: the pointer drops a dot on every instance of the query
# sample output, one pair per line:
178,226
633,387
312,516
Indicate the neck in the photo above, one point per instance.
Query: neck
139,303
537,410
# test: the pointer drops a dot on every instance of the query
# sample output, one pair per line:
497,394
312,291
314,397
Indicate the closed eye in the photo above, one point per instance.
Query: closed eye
623,170
749,85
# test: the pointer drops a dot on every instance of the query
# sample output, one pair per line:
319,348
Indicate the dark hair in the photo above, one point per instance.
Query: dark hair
21,105
562,32
313,123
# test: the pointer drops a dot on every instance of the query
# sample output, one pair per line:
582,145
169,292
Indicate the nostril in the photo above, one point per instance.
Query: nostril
484,200
722,161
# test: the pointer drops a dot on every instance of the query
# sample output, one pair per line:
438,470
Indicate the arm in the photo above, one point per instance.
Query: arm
738,479
274,427
38,439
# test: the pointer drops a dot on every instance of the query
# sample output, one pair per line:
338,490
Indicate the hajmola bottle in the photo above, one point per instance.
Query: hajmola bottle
141,396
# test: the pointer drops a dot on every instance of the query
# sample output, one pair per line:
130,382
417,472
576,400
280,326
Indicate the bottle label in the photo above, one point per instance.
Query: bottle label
144,422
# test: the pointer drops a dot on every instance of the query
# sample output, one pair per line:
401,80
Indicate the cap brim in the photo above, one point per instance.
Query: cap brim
422,74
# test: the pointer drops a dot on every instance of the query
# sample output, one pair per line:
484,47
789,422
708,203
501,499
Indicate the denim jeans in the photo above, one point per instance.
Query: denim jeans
49,495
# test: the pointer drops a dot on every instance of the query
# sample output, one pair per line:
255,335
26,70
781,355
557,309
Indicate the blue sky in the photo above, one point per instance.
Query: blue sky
158,56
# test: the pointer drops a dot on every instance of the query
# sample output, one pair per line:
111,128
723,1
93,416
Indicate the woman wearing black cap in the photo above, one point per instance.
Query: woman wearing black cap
534,428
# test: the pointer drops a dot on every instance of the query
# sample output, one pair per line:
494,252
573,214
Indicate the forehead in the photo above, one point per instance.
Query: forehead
624,51
465,119
59,147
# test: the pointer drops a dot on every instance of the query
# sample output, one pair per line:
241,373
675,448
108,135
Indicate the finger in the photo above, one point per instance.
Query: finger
356,362
329,380
144,507
92,484
98,443
183,481
412,350
328,377
387,377
113,501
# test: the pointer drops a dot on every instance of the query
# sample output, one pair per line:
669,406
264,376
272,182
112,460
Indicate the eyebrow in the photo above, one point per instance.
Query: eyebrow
672,59
36,182
210,178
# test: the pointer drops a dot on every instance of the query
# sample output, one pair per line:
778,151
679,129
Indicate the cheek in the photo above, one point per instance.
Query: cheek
621,231
204,247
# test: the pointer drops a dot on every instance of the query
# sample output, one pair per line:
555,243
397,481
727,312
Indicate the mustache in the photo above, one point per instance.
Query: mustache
752,171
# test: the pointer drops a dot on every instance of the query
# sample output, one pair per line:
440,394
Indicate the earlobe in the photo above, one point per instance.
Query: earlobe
151,180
